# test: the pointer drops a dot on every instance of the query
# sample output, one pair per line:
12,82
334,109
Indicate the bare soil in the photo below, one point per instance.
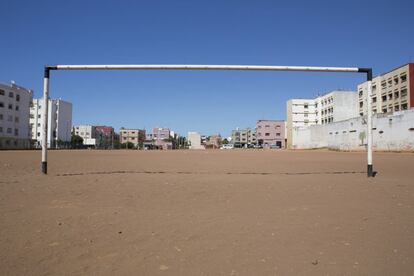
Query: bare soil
217,212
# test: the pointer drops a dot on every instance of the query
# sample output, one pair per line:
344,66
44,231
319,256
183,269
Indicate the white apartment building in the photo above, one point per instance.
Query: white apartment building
194,140
391,92
14,116
300,113
88,134
332,107
59,122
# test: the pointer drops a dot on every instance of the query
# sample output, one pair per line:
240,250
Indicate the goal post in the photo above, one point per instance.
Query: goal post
367,71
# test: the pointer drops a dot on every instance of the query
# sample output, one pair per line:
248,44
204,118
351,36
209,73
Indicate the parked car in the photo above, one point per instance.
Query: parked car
227,146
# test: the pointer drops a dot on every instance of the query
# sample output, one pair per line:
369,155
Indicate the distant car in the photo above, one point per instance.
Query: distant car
258,146
227,146
274,147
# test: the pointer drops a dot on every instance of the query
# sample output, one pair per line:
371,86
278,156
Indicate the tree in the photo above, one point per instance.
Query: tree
76,141
224,141
127,145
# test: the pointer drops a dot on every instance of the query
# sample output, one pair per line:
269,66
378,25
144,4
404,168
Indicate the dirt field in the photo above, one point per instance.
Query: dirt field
206,213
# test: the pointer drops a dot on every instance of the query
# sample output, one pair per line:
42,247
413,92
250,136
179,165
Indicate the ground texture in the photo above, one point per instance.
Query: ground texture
206,213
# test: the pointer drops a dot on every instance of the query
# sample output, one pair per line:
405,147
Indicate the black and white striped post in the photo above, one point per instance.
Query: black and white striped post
368,71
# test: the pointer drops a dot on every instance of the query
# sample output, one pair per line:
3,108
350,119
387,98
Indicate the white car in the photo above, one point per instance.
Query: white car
227,146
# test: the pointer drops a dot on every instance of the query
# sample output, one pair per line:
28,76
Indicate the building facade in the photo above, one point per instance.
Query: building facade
213,141
243,137
88,134
59,122
135,136
391,92
194,140
331,107
271,133
15,103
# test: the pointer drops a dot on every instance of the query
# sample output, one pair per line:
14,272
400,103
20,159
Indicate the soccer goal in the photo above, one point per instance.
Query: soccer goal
367,71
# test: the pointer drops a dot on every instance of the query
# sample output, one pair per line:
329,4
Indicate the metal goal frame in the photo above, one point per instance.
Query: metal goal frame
367,71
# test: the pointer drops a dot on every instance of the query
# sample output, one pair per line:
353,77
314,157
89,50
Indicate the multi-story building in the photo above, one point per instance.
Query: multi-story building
135,136
14,116
300,113
336,106
88,134
194,140
271,133
59,122
391,92
243,137
331,107
106,137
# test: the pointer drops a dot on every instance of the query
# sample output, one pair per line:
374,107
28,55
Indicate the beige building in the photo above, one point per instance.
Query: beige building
135,136
391,92
15,132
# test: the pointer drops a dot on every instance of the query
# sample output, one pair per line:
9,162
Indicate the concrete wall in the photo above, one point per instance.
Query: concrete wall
390,132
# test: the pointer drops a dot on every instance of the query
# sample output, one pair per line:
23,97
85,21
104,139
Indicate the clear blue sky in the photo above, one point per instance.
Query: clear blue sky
376,34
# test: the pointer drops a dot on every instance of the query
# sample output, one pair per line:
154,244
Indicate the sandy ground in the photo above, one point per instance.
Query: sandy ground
206,213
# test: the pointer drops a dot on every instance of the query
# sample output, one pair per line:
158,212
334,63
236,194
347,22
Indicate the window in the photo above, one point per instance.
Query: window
9,130
10,106
17,107
306,106
396,94
277,134
404,106
390,96
374,99
395,80
361,104
1,92
384,110
360,93
267,134
396,107
1,129
16,131
267,125
17,97
384,98
38,134
11,95
16,119
31,116
38,116
10,118
389,82
403,78
1,104
403,92
383,84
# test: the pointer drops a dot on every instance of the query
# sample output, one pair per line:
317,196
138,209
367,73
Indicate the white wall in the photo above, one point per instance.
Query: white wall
390,132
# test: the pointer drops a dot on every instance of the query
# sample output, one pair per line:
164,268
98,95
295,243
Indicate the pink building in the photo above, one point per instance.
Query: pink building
106,136
271,133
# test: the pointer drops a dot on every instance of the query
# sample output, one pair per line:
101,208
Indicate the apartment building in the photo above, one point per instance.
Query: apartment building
331,107
391,92
135,136
336,106
88,134
243,137
271,133
59,122
106,137
14,116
